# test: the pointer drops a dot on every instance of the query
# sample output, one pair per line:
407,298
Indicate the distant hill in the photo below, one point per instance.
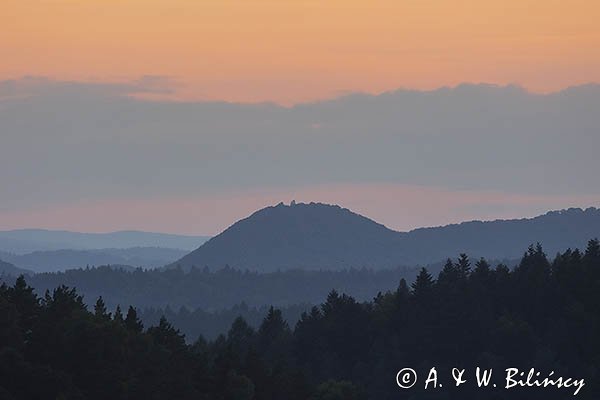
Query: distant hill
60,260
9,269
306,236
504,239
29,240
320,236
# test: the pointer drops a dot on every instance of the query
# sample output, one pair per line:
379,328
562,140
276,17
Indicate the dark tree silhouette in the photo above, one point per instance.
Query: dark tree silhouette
543,314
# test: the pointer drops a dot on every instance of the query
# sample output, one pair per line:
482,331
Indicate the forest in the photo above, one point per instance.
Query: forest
544,313
210,324
220,289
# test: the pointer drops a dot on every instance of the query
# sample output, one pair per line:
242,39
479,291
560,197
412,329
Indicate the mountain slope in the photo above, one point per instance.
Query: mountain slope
319,236
501,239
9,269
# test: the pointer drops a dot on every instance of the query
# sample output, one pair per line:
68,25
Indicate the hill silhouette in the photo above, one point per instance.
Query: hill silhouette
60,260
9,269
306,236
23,241
321,236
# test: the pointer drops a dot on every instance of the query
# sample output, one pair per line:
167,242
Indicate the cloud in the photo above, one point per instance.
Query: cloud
87,142
41,86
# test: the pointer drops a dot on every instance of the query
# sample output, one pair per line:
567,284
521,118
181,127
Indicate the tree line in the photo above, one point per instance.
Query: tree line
210,324
220,289
543,313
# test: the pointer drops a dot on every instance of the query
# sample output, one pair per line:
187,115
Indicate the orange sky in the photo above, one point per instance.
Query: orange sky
290,51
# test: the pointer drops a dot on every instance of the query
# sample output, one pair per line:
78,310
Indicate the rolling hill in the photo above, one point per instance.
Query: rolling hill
9,269
305,236
321,236
24,241
60,260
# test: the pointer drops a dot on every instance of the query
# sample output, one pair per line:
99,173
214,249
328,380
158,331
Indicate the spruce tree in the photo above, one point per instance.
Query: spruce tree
132,322
423,283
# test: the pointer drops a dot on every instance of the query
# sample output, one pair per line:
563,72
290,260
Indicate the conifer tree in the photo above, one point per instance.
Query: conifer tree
423,283
118,316
100,309
132,322
463,265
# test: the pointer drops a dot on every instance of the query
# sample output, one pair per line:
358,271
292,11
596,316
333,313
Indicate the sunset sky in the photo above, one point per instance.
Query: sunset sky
112,113
291,51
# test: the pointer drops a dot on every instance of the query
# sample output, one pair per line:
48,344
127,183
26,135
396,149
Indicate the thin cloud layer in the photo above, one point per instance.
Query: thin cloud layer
66,142
36,86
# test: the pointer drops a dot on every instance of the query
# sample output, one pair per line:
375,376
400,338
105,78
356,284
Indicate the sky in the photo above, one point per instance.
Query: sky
295,51
183,116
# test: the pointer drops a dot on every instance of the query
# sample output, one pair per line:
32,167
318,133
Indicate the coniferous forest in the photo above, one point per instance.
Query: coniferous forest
543,314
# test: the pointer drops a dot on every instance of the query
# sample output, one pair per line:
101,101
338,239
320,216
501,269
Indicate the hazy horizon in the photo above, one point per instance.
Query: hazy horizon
201,235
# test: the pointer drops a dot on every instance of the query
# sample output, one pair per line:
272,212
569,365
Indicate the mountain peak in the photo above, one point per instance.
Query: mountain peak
293,236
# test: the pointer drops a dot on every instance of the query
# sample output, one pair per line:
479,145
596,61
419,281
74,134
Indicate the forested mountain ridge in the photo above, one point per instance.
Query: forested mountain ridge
217,290
7,268
556,231
320,236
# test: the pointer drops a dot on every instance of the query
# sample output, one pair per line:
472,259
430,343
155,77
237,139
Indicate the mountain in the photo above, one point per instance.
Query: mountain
320,236
9,269
60,260
306,236
23,241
